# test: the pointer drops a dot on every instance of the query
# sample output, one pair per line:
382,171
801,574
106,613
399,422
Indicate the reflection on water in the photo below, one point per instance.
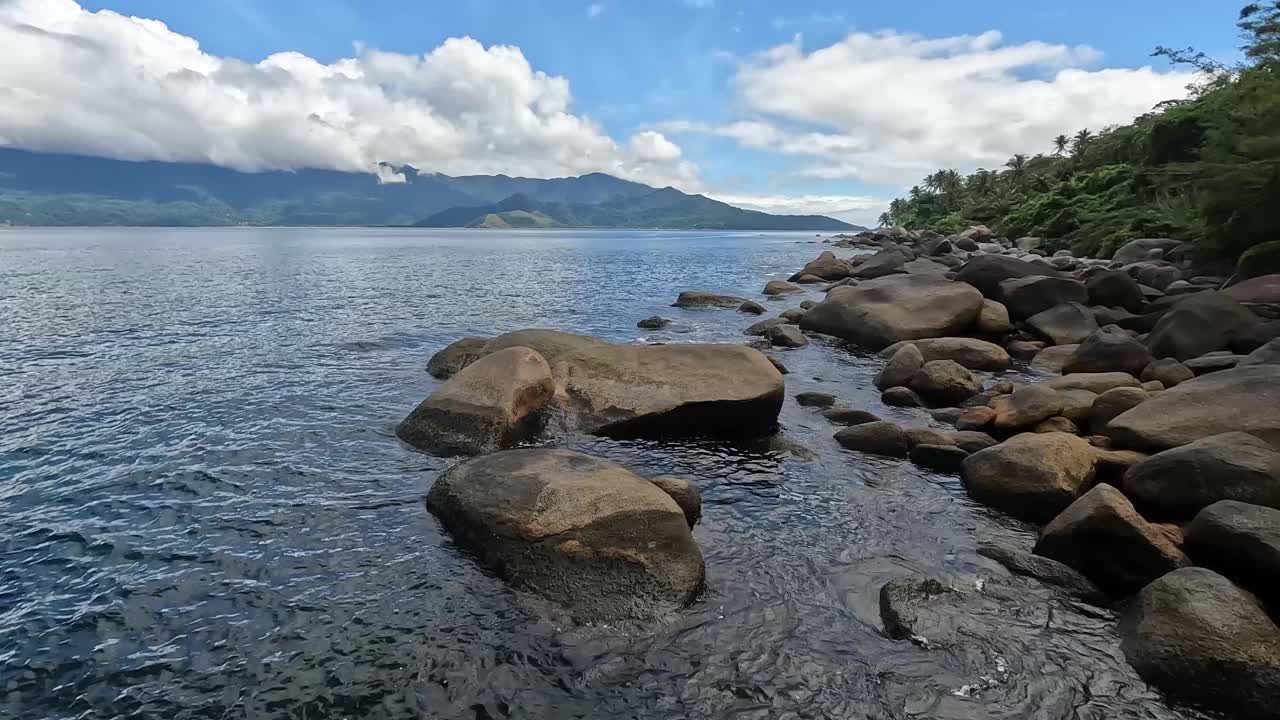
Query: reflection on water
204,514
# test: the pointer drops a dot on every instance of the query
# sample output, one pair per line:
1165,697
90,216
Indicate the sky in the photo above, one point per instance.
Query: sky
795,107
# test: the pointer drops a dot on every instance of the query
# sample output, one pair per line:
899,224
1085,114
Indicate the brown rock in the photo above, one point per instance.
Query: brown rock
1033,476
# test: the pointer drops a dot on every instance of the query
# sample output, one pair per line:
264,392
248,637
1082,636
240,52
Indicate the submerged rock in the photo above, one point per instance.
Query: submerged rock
493,403
583,532
1197,636
880,312
1045,569
653,323
849,416
701,299
781,287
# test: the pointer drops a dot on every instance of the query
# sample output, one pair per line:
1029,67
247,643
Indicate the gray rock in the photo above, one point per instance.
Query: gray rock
1046,570
1241,541
701,299
1268,354
1246,399
1096,383
902,365
763,327
1025,407
970,352
986,272
1115,288
456,356
815,399
827,267
788,336
1113,403
942,458
1212,363
1200,324
1065,324
686,495
1033,294
900,397
881,312
1136,250
849,416
993,319
653,323
1168,372
780,287
1178,483
751,307
877,438
945,382
1109,351
1052,358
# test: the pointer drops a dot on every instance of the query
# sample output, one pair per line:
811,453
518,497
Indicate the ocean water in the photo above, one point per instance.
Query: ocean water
204,512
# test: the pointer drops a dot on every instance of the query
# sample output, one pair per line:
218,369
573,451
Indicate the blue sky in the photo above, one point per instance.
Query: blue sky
729,97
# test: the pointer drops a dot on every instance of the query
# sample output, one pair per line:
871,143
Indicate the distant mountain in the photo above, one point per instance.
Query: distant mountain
54,189
667,208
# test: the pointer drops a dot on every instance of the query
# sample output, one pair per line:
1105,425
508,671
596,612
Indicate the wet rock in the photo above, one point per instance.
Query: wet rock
900,397
1268,354
583,532
700,299
1057,425
763,327
787,336
1168,372
1033,294
751,307
1051,359
1065,324
849,416
880,312
1202,323
653,323
945,382
971,441
493,403
942,458
993,319
808,280
1178,483
808,304
903,363
792,315
827,267
686,495
1026,407
1115,288
456,356
909,609
926,436
1032,476
777,365
1197,636
656,390
976,418
780,287
946,415
1046,570
1097,383
815,399
877,438
1241,541
969,352
1113,403
1242,399
1104,537
1109,351
1212,363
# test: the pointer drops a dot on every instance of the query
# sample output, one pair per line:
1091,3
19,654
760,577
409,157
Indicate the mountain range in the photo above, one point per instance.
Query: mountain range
56,189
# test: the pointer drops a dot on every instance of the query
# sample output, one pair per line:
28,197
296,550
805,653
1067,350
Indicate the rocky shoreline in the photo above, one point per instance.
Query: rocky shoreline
1150,458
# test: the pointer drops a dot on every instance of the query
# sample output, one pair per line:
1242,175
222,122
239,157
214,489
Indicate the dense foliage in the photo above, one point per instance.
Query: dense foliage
1205,169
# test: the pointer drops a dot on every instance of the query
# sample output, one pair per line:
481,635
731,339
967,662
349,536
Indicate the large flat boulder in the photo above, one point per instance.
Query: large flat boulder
1197,636
986,272
1067,324
1096,383
494,403
1241,541
1203,323
1180,482
1262,290
1033,476
1104,537
1246,399
703,299
880,312
970,352
1033,294
583,532
1136,250
656,390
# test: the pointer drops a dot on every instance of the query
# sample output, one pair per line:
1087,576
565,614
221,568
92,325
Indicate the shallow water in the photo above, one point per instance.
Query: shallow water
204,513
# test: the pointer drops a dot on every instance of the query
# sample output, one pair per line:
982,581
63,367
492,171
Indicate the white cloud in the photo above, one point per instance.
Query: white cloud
889,108
595,9
862,210
105,84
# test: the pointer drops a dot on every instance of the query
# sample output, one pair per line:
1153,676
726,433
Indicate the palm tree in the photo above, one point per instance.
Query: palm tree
949,181
933,181
1060,144
1017,166
1079,142
916,192
885,219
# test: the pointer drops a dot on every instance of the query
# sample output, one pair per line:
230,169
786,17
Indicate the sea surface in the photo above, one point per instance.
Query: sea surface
204,512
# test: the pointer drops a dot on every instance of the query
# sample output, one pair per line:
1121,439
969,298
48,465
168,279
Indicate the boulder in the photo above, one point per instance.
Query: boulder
751,307
924,266
1076,404
686,495
917,435
976,418
889,261
1026,407
1179,482
1199,637
1136,250
815,399
1211,363
1102,536
1241,541
1033,294
493,403
1046,570
1028,349
1115,288
1096,383
701,299
900,397
1109,351
652,390
1033,476
920,609
1246,399
877,438
1052,358
455,356
1113,403
993,319
941,458
945,382
1260,260
849,416
1167,371
788,336
792,315
903,363
986,272
781,287
1268,354
1200,324
763,327
827,267
583,532
1262,290
887,310
651,323
969,352
1065,324
971,441
1057,424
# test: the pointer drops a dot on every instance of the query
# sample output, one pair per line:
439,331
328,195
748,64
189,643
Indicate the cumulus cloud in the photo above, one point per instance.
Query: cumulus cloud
105,84
889,107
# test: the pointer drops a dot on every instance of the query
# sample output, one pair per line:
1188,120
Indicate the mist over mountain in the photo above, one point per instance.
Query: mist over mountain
56,189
